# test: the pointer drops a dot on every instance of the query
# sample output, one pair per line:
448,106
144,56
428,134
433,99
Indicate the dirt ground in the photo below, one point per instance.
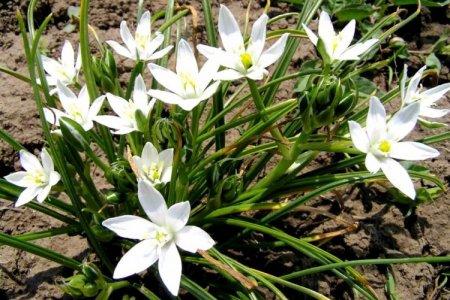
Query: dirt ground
383,229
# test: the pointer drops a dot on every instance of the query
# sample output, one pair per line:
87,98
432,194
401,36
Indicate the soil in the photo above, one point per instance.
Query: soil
384,229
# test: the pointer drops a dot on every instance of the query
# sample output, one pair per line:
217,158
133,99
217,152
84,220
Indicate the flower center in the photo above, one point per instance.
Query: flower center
385,146
75,113
37,178
246,60
336,41
153,172
189,83
162,236
141,41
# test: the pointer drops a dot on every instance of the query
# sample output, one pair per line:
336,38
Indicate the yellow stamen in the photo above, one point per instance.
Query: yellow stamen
246,60
385,146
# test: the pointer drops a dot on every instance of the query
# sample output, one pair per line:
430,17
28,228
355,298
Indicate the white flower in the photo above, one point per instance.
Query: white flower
381,142
65,69
142,46
37,179
153,166
159,238
126,121
188,87
75,108
241,61
337,46
427,99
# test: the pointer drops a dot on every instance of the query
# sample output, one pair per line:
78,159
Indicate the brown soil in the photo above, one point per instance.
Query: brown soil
383,228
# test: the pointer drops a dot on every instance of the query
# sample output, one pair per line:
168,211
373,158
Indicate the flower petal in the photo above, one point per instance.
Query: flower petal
228,75
354,52
47,162
206,74
186,62
127,38
114,123
229,31
130,227
412,151
66,96
149,154
121,50
347,36
403,83
178,215
18,178
152,202
160,53
28,161
398,176
413,85
372,163
429,112
167,78
166,97
169,266
119,105
210,90
193,238
272,54
376,119
54,177
434,94
311,35
226,59
43,193
326,30
95,107
258,37
139,258
166,175
27,195
359,137
68,55
166,157
403,122
144,25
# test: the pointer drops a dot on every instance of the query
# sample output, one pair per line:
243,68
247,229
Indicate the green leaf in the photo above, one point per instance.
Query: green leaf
431,124
433,62
354,11
429,3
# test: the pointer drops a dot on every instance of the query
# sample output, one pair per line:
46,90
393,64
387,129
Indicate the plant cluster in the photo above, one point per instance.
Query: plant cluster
179,181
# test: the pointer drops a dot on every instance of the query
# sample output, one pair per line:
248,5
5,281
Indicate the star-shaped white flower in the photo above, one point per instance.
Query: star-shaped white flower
76,108
65,69
188,86
381,141
153,166
427,99
142,46
337,46
37,179
158,238
239,60
125,121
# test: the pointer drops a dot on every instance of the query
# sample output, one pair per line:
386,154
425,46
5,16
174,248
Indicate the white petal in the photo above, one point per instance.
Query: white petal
178,215
149,154
412,151
272,54
47,162
121,50
18,178
403,84
153,45
152,202
68,55
127,38
29,161
229,31
166,157
66,96
160,53
137,259
226,59
228,75
140,91
83,100
186,62
326,30
353,52
413,85
130,227
43,193
189,104
347,36
78,62
169,266
429,112
372,163
398,176
376,119
95,107
144,24
166,175
256,73
403,122
114,123
119,105
434,94
51,66
54,177
166,97
206,74
27,195
167,78
193,238
311,35
51,116
359,136
211,90
258,36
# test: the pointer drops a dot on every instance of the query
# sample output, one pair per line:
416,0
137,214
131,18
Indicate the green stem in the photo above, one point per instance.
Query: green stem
31,236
